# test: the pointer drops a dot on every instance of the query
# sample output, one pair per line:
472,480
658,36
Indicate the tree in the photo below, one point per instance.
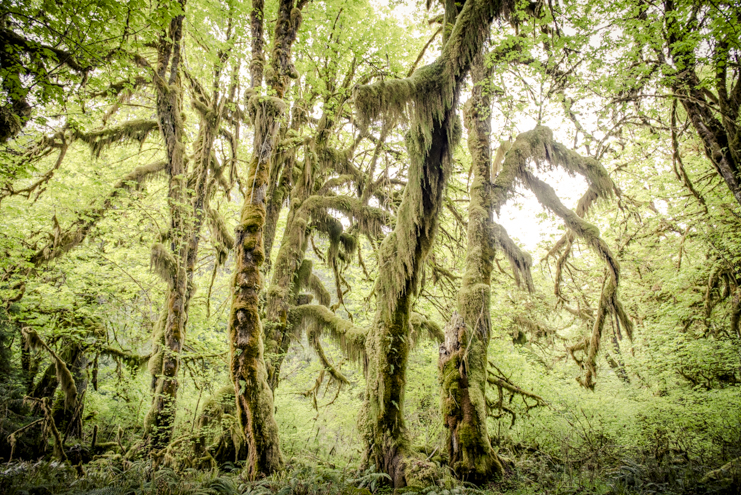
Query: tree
432,92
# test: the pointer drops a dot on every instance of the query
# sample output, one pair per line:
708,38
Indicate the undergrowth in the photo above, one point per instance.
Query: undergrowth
528,471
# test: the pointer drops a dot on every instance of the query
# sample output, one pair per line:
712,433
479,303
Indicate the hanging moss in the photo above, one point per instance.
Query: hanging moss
370,220
63,375
133,361
307,279
223,238
348,337
217,422
163,263
463,355
132,131
593,345
51,427
432,90
538,146
520,260
313,333
312,211
317,288
249,373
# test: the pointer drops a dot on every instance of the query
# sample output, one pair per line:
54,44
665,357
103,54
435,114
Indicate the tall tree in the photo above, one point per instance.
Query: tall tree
463,356
168,89
431,93
248,371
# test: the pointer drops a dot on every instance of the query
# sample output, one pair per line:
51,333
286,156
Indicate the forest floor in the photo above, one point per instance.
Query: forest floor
532,474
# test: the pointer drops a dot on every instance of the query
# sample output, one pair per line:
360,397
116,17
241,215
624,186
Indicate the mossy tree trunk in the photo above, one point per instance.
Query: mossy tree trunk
249,375
248,371
169,115
433,92
463,356
402,254
189,204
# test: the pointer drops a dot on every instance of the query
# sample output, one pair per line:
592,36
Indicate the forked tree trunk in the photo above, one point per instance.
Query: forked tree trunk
162,415
248,371
434,92
463,356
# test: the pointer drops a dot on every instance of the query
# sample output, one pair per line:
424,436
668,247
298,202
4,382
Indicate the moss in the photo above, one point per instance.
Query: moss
219,230
63,375
463,378
432,90
350,338
158,344
133,131
313,333
290,275
317,288
593,346
163,263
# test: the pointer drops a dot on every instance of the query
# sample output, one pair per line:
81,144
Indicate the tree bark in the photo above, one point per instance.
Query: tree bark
433,134
168,90
463,356
248,370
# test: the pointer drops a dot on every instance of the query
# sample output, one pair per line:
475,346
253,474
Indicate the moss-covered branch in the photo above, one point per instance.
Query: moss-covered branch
350,338
520,260
420,323
593,344
66,241
431,90
583,229
63,374
133,131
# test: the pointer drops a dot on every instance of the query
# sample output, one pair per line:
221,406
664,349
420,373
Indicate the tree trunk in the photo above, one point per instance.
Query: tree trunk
162,415
433,133
248,370
402,254
463,356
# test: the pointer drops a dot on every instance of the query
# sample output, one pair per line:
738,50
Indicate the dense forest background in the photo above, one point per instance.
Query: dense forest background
354,247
